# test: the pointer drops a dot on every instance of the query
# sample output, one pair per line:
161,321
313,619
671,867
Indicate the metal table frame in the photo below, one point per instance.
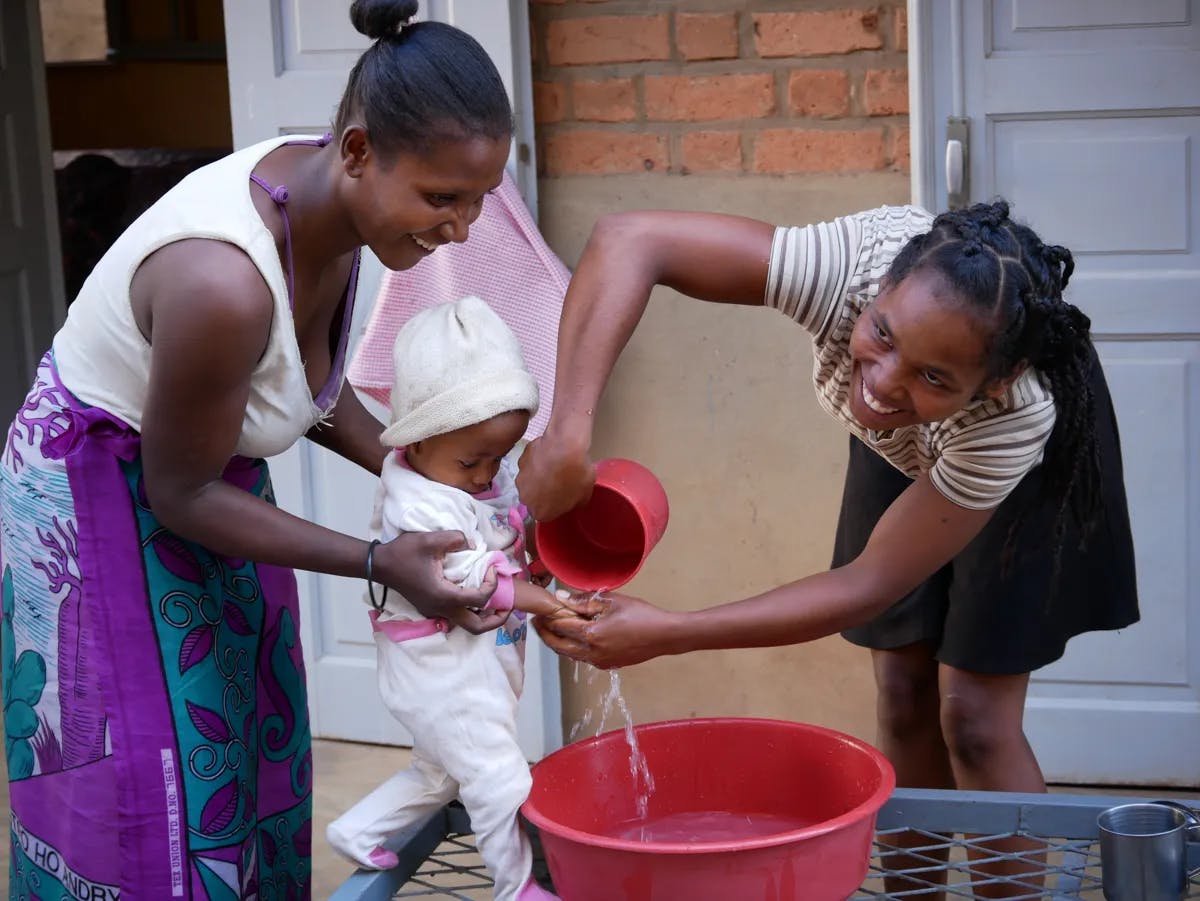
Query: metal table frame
1063,828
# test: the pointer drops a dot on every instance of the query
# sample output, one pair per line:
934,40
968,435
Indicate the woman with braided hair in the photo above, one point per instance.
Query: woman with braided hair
983,521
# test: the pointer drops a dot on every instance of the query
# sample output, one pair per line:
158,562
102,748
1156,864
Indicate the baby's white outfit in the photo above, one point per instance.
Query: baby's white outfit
455,692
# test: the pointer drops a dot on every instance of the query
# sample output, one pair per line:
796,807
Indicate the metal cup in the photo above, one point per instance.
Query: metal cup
1143,851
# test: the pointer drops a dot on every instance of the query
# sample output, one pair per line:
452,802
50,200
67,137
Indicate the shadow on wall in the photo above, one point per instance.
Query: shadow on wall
101,192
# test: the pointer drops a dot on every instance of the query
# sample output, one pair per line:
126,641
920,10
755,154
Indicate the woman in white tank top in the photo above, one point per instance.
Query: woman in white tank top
146,572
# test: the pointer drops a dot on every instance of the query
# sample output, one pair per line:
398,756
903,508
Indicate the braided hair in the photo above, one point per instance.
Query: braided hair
420,83
1001,269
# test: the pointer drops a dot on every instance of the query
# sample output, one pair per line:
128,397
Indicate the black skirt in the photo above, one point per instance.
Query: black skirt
996,607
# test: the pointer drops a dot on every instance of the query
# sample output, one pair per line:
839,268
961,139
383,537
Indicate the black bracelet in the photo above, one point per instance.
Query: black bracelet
378,605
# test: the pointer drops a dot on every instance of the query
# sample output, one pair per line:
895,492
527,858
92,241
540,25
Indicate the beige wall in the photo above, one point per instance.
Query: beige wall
719,403
789,112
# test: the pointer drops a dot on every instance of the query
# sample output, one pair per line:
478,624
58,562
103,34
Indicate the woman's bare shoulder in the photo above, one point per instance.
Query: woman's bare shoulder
201,279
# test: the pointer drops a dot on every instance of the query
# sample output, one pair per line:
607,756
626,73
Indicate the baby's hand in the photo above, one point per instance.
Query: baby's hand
537,601
585,605
568,605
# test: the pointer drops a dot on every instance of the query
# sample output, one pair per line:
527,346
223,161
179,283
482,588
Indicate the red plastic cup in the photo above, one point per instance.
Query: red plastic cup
602,544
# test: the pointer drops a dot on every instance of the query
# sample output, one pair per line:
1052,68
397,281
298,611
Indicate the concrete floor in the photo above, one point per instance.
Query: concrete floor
344,772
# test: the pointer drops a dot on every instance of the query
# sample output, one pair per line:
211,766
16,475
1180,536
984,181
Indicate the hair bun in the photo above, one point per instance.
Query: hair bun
381,18
996,213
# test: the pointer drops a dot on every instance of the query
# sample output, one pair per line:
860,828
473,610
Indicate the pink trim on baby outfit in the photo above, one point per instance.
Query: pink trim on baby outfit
384,859
505,595
491,491
516,520
531,891
406,629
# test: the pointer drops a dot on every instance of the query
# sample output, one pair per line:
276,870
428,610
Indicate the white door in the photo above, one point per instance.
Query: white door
288,63
1084,114
31,282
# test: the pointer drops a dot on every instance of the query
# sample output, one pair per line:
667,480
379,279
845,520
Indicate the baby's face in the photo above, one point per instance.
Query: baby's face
468,458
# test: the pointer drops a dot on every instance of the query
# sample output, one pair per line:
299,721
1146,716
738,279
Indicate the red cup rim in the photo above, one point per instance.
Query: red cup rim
870,806
643,517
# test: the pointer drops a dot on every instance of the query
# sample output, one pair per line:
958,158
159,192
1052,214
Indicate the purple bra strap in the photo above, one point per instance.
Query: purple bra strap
311,142
279,194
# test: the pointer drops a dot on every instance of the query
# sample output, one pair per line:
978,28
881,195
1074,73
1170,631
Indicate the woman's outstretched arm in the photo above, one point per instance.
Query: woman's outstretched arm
707,256
918,535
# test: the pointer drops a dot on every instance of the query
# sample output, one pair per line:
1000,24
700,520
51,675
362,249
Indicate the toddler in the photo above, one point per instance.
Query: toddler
462,399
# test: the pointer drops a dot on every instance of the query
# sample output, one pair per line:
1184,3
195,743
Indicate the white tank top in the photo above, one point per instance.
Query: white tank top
102,356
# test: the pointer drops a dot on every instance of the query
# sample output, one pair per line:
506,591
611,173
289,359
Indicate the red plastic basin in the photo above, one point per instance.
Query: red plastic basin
827,785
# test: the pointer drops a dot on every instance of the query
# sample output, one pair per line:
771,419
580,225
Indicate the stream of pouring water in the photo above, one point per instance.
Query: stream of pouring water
686,826
639,770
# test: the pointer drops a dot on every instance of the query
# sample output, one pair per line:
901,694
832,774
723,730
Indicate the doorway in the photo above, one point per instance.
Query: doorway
1083,115
104,105
137,96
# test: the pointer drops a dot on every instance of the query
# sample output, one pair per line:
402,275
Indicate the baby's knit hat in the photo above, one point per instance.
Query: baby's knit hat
456,364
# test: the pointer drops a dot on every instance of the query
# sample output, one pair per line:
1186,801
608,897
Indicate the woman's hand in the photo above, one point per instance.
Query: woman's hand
610,631
554,476
412,563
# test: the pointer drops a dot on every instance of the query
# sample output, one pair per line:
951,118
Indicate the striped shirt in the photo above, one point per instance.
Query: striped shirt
823,276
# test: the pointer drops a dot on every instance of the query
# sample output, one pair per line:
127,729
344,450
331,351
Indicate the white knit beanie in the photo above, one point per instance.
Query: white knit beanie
455,365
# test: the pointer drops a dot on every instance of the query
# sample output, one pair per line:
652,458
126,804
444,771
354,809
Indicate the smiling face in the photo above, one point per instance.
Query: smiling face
406,207
918,355
468,458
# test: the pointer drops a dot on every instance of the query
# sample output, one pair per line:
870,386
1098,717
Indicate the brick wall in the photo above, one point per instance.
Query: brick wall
726,86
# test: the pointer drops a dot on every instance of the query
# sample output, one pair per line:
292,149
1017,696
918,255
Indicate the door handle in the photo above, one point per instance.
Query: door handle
958,163
954,166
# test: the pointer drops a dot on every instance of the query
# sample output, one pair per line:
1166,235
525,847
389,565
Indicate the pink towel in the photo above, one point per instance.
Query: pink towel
507,263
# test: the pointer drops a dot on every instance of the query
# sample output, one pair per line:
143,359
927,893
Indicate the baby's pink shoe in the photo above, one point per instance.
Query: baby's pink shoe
534,892
383,859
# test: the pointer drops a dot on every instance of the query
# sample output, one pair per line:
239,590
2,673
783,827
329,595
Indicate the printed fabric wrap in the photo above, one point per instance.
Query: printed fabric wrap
156,721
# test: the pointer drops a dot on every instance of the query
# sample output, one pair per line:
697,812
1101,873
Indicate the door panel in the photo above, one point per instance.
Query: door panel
1117,191
31,284
1122,706
1083,114
1057,25
1073,157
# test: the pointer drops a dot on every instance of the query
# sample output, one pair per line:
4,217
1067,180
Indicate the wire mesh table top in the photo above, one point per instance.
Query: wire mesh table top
454,870
957,866
949,843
